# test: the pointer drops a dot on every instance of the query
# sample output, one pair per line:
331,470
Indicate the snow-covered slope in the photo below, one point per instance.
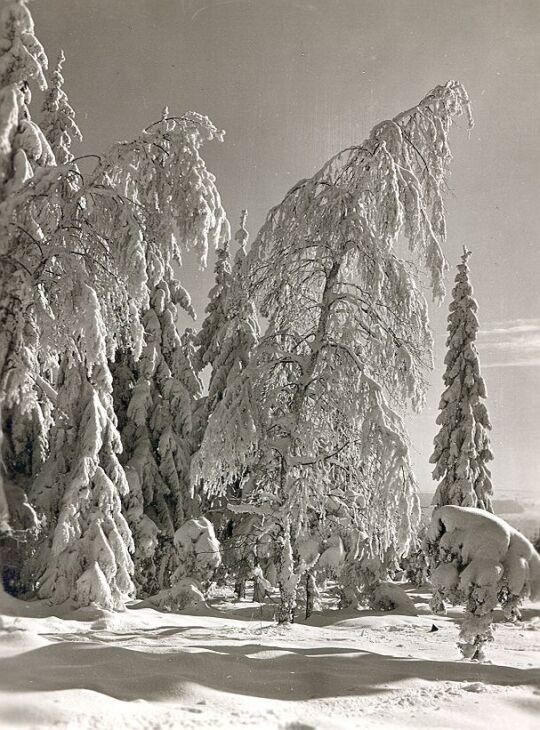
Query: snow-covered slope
230,667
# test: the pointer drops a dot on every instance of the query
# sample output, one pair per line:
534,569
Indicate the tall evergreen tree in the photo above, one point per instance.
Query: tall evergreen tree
230,332
348,339
226,343
158,395
462,448
24,404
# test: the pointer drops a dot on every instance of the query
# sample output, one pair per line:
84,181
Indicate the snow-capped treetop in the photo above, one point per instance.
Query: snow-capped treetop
22,57
242,235
403,164
208,344
163,171
58,117
22,62
462,447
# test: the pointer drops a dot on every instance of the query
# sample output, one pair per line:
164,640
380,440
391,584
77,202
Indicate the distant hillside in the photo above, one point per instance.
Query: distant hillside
524,516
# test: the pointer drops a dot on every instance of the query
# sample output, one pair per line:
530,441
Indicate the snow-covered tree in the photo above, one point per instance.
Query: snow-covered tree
58,117
480,561
216,310
85,553
315,413
230,332
71,247
24,404
158,396
226,342
462,449
198,557
82,552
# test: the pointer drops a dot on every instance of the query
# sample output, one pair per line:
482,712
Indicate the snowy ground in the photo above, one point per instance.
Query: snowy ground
227,667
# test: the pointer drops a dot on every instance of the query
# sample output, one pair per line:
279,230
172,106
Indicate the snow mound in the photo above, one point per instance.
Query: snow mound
391,597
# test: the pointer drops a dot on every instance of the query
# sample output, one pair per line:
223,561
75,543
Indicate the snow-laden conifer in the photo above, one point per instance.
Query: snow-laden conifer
230,331
462,449
58,116
73,243
226,342
315,413
85,556
25,405
158,397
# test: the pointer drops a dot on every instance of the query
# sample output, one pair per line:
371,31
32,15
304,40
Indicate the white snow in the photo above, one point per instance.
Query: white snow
229,666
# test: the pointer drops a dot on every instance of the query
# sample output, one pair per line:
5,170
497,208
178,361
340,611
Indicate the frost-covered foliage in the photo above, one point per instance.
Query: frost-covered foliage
347,342
462,447
480,561
158,396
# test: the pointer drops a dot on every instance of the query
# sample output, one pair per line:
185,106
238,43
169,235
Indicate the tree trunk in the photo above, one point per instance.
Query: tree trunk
287,604
312,594
259,592
288,580
240,588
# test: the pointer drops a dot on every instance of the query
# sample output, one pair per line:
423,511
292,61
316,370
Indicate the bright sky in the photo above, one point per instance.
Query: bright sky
294,81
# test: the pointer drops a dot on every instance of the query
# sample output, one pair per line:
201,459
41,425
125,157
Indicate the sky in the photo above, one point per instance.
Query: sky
294,81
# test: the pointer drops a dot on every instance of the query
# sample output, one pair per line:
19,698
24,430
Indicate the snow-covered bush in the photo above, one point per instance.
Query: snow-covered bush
389,596
415,563
198,556
198,550
481,562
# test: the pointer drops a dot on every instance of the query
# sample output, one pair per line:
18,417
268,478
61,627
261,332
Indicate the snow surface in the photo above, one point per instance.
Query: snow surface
230,666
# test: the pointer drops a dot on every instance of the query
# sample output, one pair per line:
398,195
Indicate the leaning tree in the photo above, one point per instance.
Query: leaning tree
316,414
462,448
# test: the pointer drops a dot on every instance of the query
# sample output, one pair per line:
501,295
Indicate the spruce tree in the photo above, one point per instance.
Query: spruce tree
25,405
226,343
462,447
158,396
229,334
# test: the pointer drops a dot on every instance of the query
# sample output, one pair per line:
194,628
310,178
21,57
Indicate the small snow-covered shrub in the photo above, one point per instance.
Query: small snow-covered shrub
415,564
198,556
481,562
185,593
391,597
198,551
